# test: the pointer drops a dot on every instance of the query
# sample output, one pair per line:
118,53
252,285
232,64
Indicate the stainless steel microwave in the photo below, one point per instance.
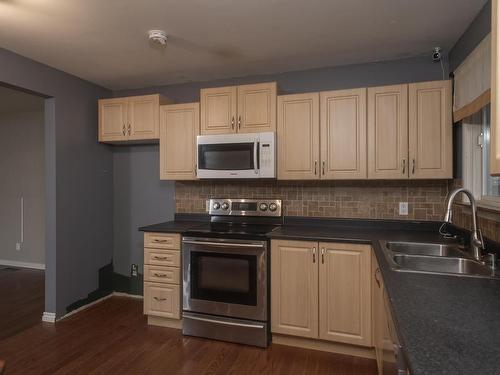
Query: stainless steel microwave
251,155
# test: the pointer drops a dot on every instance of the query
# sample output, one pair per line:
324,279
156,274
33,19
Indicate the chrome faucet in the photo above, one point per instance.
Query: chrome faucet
476,237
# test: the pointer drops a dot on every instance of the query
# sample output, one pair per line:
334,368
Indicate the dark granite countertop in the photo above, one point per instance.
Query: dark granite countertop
446,324
175,226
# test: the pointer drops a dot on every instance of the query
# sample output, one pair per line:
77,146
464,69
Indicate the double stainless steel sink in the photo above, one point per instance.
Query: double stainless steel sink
434,258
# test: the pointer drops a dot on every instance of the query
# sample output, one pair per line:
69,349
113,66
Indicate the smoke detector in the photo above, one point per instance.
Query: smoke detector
158,37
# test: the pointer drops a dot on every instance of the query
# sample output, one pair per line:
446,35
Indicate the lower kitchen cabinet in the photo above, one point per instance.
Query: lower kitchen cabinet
345,293
162,279
321,291
162,300
294,288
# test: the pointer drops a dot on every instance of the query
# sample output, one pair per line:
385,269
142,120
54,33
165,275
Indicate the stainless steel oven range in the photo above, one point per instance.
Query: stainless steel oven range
226,272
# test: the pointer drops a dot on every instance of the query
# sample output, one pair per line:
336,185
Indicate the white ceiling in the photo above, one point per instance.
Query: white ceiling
19,101
105,41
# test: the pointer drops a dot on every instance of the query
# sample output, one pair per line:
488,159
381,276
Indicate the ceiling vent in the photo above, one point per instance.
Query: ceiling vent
158,37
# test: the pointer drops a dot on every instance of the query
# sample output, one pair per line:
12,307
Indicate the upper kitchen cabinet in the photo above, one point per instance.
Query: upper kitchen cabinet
388,132
218,110
495,92
430,130
179,126
298,136
238,109
134,118
343,134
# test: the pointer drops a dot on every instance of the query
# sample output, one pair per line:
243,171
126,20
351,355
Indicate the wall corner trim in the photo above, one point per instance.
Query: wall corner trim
48,317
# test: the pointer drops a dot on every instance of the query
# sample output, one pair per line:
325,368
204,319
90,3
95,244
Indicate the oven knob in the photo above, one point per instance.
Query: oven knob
225,206
273,207
216,206
263,206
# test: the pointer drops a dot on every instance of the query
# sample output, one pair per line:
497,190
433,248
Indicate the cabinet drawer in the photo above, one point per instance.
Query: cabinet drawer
162,300
162,274
162,240
156,257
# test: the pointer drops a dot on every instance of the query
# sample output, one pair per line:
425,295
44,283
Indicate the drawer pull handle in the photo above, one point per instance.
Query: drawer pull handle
160,274
159,241
159,299
160,258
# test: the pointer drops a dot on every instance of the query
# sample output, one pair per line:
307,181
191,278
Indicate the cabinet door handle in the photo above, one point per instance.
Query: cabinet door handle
129,128
239,122
377,271
160,241
323,256
314,255
123,129
160,274
404,166
413,167
159,258
323,166
159,299
232,123
315,167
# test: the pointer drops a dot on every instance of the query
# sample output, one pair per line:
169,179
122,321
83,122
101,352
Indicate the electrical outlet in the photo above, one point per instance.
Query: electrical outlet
134,270
18,246
403,208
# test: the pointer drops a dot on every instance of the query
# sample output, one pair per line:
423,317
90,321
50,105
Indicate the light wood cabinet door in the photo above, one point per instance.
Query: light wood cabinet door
343,134
143,117
388,132
257,108
179,126
218,110
345,293
430,130
381,338
294,288
113,120
162,300
298,137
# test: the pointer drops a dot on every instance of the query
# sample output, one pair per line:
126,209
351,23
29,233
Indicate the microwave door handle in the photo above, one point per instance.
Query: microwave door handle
255,150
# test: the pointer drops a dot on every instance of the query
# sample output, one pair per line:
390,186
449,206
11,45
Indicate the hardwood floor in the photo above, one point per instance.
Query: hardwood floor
112,337
21,299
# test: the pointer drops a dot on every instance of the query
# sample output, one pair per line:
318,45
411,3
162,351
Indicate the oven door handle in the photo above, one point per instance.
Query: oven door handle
224,244
255,150
258,326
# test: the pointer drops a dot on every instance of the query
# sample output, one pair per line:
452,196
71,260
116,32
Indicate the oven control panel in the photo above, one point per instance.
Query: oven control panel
245,207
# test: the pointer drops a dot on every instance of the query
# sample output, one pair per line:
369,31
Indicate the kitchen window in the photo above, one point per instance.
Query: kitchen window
476,161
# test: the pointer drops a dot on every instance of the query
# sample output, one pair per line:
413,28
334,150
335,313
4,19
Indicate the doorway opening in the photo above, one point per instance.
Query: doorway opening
22,210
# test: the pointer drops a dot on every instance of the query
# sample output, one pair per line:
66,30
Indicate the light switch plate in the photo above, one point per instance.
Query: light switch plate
18,246
403,208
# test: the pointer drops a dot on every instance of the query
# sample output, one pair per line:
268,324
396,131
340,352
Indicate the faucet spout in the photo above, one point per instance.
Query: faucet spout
476,238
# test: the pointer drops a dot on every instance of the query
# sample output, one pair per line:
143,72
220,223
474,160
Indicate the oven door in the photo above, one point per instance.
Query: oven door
224,156
225,277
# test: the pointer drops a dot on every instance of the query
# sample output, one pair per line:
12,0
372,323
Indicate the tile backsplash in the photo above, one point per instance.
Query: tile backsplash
346,199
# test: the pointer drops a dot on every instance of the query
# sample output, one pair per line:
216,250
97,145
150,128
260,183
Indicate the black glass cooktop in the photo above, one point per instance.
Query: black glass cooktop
232,230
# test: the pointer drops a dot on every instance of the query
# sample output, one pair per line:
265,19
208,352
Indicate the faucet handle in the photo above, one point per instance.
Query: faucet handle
491,260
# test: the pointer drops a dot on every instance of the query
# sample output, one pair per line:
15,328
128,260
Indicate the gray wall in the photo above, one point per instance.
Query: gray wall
342,77
150,201
476,31
78,179
140,198
21,170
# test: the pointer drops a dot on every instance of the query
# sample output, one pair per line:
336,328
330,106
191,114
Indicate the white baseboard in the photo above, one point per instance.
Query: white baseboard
48,317
15,263
51,317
